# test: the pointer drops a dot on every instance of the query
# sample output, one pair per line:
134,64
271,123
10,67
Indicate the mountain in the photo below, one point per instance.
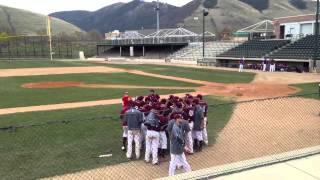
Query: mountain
224,14
17,21
136,14
237,14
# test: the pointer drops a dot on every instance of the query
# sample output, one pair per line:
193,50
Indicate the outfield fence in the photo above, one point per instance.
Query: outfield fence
242,135
25,47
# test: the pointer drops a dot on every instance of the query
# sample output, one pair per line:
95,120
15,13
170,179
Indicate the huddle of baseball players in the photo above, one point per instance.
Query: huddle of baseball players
151,122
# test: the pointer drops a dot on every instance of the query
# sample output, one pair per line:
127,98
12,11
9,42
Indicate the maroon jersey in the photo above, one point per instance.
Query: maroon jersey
154,97
163,122
188,113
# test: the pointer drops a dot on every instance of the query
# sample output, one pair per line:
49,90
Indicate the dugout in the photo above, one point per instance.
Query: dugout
288,65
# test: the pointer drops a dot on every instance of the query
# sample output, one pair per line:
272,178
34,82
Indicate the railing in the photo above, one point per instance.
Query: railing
89,147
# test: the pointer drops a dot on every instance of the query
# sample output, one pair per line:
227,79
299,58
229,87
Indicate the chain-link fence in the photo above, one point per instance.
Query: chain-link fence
25,47
86,146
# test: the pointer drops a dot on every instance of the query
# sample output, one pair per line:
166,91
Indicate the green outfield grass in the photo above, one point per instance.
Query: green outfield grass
15,64
56,149
219,76
310,89
13,95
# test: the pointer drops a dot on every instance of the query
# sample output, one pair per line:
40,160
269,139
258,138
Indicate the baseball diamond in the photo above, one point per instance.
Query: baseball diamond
139,90
76,133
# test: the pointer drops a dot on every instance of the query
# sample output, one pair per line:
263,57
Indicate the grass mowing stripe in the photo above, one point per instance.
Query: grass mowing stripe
211,75
65,148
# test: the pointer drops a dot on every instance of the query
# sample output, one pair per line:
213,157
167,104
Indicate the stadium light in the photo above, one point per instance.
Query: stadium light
316,45
205,13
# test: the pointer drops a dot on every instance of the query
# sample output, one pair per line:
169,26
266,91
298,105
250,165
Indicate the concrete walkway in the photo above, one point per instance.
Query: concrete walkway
305,169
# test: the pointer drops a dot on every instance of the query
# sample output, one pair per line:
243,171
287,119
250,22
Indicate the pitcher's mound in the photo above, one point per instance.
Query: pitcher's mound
47,85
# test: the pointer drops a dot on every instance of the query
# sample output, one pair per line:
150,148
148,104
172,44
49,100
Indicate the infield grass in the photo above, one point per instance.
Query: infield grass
309,90
211,75
60,148
13,95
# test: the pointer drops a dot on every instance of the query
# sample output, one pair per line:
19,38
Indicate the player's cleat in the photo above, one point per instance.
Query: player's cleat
156,164
123,148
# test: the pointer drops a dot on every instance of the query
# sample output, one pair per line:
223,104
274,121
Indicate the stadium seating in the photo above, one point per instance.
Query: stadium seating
254,48
193,51
300,49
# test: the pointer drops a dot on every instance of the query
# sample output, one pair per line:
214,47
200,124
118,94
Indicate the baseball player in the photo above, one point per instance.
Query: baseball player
241,64
133,118
204,107
153,136
198,119
125,99
153,96
163,145
177,129
124,128
272,66
264,64
188,116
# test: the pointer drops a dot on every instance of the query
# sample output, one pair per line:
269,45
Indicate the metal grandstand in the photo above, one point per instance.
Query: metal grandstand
163,36
265,26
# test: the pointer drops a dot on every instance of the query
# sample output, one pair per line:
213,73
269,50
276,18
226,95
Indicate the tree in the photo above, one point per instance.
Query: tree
225,34
94,35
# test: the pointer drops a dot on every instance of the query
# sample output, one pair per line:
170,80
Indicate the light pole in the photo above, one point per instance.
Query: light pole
316,45
158,16
205,13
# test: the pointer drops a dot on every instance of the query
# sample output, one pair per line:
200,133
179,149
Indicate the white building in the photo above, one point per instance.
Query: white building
294,26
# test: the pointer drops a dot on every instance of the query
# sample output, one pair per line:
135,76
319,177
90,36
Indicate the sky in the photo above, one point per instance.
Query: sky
50,6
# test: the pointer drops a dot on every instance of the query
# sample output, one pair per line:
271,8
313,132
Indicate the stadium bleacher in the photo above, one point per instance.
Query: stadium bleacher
254,48
193,51
300,49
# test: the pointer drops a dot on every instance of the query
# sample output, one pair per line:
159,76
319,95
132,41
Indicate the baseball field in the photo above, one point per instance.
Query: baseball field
57,118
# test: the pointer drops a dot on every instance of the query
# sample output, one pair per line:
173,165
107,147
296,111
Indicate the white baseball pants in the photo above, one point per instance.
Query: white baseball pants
152,145
189,139
178,160
264,67
241,68
125,131
197,135
134,135
204,132
163,142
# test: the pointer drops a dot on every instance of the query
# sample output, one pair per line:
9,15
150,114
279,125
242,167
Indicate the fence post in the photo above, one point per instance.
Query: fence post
59,50
34,50
41,44
71,50
17,47
9,51
25,46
